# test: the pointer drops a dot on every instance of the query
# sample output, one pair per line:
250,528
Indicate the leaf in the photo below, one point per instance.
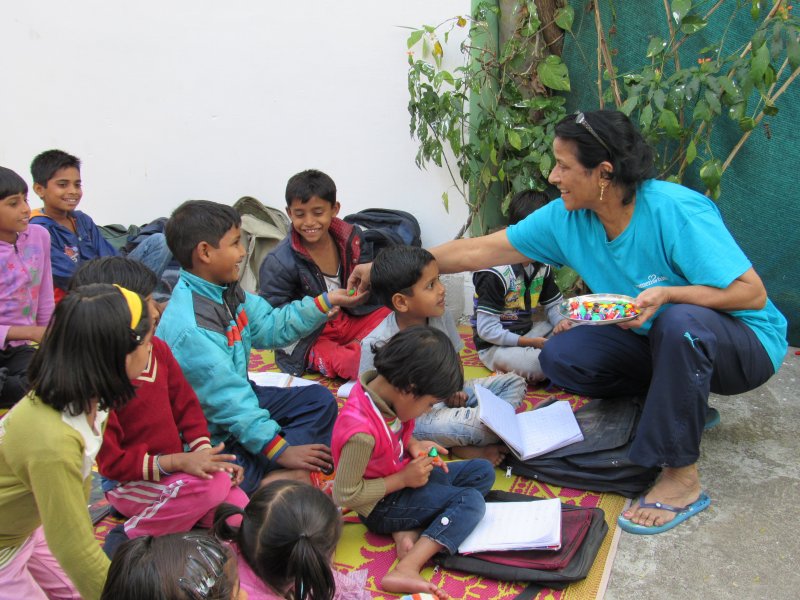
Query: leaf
493,156
691,153
446,201
674,179
680,8
711,173
747,123
701,111
755,10
647,117
629,104
770,109
793,52
659,98
415,37
758,64
553,73
564,17
713,102
545,165
692,24
461,21
669,122
514,139
437,49
655,47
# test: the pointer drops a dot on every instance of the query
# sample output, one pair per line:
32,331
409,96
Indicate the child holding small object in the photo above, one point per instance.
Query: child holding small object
387,476
285,545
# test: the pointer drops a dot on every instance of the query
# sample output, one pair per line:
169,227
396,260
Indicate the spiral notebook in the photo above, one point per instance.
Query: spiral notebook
516,526
529,433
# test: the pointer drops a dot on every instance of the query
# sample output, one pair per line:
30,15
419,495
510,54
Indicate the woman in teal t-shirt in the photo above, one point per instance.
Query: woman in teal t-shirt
706,323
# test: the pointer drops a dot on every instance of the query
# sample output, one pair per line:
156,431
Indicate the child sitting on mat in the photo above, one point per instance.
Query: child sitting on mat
285,545
97,342
387,476
148,477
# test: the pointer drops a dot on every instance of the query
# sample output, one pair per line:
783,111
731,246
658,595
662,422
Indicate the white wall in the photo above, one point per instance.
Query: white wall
169,100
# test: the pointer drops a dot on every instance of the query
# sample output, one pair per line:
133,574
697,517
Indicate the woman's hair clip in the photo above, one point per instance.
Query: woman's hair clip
204,566
135,337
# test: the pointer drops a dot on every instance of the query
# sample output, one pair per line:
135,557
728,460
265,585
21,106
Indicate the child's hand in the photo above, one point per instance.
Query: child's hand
417,472
203,463
457,400
359,279
528,342
562,326
349,297
311,457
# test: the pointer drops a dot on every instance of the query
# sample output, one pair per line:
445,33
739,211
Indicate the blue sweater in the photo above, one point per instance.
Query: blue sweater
211,329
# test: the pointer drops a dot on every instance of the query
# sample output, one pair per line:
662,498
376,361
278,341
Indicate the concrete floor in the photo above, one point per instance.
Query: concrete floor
746,545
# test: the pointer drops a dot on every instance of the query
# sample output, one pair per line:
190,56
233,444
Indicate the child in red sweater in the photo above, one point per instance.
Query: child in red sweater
149,477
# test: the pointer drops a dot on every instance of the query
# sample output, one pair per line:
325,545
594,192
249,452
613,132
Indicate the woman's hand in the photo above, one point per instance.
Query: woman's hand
359,279
649,301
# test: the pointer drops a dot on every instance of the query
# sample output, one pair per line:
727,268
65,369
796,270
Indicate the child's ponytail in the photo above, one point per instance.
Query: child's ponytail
310,567
287,537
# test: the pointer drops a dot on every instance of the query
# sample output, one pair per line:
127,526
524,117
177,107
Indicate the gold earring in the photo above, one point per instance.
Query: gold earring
602,191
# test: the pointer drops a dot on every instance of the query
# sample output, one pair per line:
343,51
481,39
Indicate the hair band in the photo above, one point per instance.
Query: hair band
134,304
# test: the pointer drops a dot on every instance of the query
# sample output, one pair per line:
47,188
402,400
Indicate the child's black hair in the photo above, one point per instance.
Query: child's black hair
305,185
128,273
420,360
395,270
83,351
525,203
11,184
180,566
197,221
46,164
288,533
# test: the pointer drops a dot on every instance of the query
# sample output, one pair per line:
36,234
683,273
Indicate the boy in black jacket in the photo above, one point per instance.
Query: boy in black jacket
318,255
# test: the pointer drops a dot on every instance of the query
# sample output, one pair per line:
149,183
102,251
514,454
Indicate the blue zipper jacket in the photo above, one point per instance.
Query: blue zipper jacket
211,329
69,249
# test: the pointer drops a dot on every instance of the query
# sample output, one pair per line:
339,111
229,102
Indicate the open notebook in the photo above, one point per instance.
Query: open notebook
516,526
529,433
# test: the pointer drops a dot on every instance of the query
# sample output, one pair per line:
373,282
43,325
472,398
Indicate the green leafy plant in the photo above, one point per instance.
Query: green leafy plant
677,106
501,141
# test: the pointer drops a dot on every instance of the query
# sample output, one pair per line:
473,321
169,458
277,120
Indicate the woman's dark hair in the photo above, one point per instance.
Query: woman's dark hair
420,360
619,143
181,566
288,533
11,183
128,273
82,355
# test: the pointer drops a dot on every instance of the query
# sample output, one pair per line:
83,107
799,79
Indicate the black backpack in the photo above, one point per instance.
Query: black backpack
600,462
383,227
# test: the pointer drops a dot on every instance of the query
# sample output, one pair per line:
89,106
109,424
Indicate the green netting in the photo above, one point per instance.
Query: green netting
760,199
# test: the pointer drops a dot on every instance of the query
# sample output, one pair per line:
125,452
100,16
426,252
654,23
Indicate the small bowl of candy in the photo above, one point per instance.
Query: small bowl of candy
600,309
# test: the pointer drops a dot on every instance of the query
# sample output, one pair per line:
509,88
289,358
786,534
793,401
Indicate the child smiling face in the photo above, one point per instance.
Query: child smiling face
14,216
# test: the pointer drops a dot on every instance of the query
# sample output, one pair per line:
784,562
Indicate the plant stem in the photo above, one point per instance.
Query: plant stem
758,119
601,40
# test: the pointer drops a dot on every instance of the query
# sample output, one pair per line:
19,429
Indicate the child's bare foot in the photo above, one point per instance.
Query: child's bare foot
294,474
494,453
409,582
405,540
677,486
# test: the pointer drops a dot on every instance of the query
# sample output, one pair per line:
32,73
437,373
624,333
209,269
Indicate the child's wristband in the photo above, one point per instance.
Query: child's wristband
160,469
323,302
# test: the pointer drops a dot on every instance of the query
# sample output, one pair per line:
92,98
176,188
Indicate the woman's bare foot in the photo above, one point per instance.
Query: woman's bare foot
403,581
405,540
677,486
494,453
294,474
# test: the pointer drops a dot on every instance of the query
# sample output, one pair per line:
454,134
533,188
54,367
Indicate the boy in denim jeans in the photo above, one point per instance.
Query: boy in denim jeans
406,279
395,482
